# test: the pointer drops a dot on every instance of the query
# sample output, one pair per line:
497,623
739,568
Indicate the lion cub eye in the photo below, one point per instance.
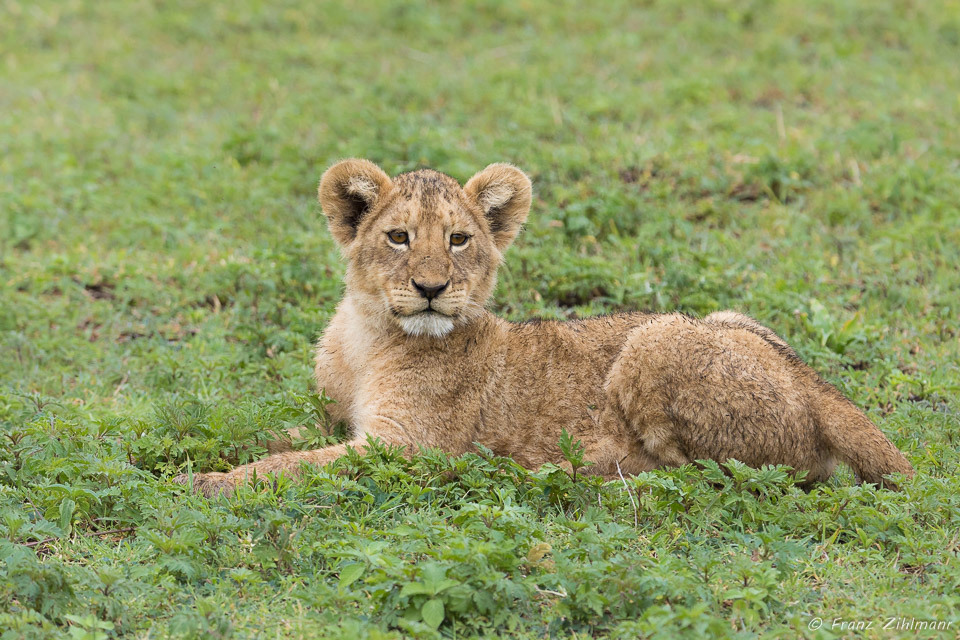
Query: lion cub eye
397,237
458,239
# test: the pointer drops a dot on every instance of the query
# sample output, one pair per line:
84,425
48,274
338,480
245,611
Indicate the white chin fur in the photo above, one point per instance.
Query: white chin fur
426,324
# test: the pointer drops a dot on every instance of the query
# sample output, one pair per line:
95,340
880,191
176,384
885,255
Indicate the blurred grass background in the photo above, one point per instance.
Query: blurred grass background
161,248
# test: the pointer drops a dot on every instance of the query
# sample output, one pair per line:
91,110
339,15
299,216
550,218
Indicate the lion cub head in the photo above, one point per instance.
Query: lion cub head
422,251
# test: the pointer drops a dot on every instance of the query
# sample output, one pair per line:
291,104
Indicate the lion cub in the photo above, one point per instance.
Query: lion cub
412,356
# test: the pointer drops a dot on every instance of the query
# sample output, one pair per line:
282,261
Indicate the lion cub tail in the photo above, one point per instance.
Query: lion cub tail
854,439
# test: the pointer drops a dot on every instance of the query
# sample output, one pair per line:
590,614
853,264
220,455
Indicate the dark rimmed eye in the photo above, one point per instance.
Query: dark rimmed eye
458,239
397,237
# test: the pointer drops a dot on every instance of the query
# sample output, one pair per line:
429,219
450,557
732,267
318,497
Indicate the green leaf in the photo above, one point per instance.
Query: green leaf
432,612
350,574
443,585
573,451
67,509
433,574
414,588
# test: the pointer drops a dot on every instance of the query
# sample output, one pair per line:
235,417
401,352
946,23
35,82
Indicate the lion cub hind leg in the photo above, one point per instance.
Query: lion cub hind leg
614,455
842,427
692,390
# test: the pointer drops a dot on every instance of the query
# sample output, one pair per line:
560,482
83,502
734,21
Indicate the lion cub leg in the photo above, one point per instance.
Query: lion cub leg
290,462
613,455
691,390
727,387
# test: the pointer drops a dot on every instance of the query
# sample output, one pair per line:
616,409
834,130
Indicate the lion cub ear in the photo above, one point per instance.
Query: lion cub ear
348,191
503,192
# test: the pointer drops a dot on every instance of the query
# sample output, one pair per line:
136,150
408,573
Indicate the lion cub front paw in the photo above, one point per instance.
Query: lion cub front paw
210,484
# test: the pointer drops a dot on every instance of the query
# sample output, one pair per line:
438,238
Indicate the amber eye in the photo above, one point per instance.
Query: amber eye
458,239
397,237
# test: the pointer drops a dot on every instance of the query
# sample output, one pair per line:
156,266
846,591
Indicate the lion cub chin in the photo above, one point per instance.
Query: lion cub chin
413,358
428,323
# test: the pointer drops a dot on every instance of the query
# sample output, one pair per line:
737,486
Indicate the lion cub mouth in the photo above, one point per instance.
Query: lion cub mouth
427,322
420,312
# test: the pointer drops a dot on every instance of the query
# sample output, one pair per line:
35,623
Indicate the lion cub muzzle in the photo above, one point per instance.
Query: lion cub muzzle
431,315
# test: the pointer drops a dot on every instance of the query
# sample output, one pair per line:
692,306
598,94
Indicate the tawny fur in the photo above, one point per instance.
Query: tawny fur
640,390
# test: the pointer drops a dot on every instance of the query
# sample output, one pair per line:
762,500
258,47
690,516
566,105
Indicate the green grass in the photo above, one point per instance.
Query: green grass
164,271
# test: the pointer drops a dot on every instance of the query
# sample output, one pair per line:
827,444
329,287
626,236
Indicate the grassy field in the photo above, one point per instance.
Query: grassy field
164,272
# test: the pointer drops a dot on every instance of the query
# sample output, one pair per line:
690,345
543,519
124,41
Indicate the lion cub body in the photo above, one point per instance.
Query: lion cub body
511,387
413,358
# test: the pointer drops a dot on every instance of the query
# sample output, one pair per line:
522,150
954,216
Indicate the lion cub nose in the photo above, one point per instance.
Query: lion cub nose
430,291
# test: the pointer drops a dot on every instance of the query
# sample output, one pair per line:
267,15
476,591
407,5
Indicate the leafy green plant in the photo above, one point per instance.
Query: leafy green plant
573,453
316,429
831,333
88,627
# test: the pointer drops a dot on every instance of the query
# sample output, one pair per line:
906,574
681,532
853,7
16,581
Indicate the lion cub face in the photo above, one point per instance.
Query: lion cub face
423,251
